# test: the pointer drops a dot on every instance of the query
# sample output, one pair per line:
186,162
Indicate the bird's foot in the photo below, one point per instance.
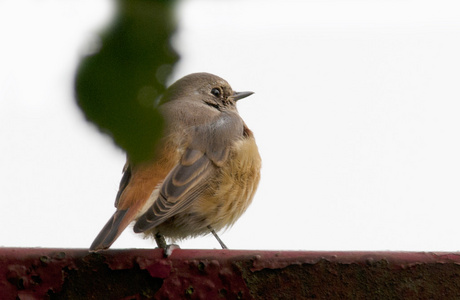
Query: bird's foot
168,250
161,242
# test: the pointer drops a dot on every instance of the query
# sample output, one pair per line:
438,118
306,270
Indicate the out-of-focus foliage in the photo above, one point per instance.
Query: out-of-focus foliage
117,86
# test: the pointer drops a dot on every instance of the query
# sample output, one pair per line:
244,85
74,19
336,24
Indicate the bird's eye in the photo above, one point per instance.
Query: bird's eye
215,92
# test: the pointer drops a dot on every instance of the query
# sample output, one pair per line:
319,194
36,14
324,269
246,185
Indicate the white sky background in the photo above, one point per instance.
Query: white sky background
356,114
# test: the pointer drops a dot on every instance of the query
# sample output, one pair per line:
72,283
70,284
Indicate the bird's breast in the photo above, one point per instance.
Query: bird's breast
233,189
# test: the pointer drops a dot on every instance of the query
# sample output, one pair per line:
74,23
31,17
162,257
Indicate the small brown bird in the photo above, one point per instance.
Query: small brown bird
204,174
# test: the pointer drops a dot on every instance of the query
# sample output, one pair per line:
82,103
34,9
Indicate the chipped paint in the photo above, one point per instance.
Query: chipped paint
226,274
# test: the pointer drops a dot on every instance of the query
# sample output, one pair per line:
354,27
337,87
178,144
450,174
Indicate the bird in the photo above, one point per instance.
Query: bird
203,176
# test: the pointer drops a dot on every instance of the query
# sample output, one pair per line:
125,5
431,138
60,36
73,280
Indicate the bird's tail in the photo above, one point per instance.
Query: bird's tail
112,230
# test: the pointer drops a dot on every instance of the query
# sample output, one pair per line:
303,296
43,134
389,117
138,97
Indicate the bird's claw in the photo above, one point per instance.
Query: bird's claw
168,250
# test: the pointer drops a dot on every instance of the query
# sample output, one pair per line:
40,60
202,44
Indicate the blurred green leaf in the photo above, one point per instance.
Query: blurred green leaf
117,86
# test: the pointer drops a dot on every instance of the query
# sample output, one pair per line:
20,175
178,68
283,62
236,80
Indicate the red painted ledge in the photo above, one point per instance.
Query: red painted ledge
40,273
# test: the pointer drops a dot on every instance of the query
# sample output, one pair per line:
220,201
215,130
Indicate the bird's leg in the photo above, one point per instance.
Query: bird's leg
161,242
217,237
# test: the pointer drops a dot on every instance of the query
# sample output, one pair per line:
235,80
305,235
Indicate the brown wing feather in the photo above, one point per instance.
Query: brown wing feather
182,185
123,182
208,150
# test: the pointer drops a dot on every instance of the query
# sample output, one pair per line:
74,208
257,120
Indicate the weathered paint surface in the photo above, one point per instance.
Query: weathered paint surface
40,273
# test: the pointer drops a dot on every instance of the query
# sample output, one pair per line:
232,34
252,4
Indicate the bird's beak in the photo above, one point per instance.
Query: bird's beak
240,95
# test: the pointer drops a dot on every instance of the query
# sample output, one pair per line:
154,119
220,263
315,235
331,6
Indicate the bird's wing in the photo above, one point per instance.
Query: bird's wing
207,151
124,181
